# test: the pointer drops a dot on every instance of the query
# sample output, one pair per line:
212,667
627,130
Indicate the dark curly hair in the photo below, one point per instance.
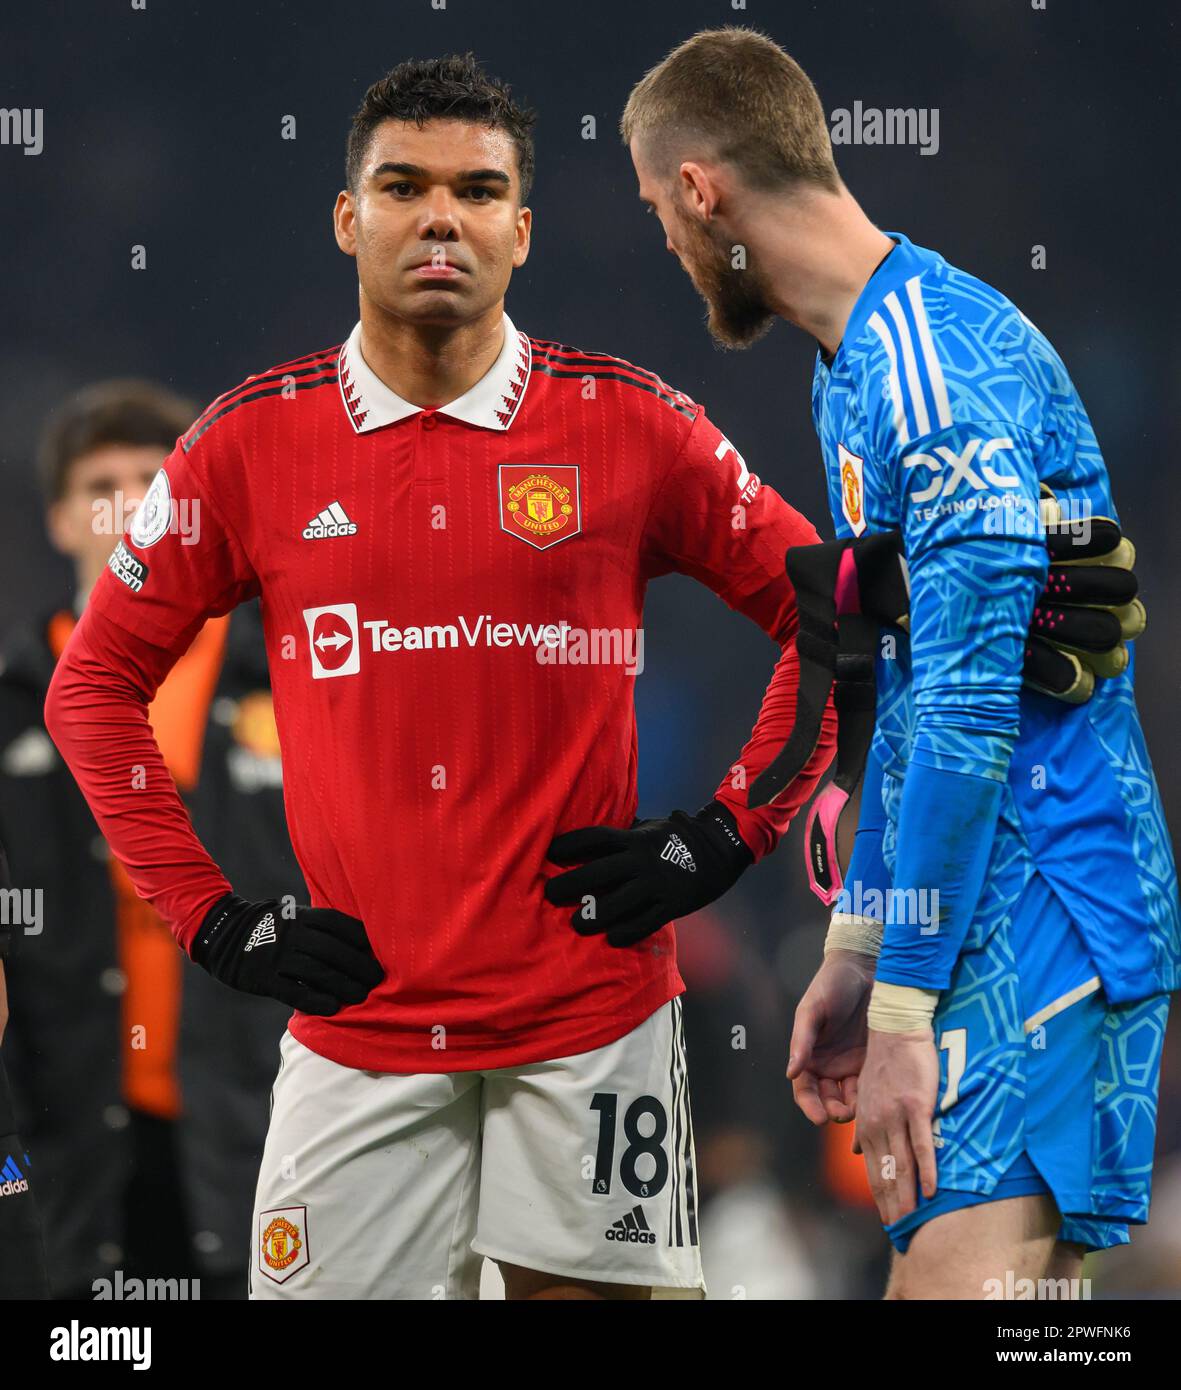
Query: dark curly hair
452,88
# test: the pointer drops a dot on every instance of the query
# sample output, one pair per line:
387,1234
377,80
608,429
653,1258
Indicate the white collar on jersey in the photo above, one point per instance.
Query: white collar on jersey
491,403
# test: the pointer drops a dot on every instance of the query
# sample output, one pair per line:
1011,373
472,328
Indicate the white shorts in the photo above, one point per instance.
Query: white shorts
375,1185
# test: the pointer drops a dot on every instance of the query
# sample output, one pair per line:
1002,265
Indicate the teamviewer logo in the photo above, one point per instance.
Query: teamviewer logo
332,640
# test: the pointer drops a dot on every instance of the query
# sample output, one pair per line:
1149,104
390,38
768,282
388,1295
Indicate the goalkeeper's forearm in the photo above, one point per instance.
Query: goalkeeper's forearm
947,827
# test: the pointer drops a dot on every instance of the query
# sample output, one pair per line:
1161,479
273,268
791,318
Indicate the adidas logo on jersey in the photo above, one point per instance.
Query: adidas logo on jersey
632,1229
263,934
677,852
12,1180
332,521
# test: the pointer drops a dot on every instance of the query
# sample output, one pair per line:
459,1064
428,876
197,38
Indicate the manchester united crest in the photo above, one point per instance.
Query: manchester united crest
539,502
282,1242
852,489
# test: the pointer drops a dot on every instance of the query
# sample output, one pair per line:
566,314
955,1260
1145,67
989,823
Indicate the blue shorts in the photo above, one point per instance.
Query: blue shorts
1044,1087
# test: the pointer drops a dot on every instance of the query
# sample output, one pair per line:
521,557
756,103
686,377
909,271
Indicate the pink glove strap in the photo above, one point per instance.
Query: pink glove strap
824,868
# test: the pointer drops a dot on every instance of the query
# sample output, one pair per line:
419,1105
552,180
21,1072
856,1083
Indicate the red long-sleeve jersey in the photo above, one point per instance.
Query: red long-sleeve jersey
451,600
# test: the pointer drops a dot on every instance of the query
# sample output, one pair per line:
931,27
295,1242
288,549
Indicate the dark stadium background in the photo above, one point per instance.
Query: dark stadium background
1058,128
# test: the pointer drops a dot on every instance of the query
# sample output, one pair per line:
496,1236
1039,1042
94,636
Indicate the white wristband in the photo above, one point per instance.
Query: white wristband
901,1008
848,932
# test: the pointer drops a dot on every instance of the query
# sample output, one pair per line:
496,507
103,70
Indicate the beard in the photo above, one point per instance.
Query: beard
737,300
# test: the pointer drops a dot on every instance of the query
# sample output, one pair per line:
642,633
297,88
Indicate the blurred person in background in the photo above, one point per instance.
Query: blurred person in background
140,1084
22,1247
752,1227
786,1210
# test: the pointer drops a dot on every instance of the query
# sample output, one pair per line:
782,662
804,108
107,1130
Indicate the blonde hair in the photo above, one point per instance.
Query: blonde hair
740,93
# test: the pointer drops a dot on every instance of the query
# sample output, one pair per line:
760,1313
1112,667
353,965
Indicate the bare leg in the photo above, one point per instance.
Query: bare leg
959,1254
1066,1264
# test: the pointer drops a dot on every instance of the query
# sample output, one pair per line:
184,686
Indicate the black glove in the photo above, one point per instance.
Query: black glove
317,961
639,879
1088,609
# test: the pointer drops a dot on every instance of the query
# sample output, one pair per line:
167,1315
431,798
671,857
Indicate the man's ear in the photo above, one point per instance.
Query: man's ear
524,234
344,222
700,189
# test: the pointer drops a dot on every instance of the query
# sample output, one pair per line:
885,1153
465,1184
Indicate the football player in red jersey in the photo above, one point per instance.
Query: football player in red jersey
451,526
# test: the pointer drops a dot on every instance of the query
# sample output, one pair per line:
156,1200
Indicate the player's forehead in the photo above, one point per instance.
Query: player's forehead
116,460
444,149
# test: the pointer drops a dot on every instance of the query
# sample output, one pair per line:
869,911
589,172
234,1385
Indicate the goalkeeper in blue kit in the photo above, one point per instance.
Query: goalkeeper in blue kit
1012,872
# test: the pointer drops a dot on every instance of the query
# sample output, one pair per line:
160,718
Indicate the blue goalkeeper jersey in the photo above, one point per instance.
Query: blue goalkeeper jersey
940,414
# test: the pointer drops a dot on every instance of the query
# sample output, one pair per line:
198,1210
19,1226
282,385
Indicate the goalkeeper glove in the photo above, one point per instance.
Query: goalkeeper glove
317,961
1088,609
630,883
1084,615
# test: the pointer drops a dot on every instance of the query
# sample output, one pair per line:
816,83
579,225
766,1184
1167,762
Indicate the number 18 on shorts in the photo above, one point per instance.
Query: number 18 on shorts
396,1186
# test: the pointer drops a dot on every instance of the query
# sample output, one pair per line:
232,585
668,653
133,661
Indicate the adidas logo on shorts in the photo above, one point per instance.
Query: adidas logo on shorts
632,1228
